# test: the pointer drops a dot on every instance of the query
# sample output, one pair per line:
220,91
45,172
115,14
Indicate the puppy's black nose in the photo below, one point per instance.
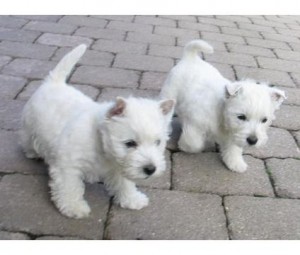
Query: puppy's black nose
149,169
252,140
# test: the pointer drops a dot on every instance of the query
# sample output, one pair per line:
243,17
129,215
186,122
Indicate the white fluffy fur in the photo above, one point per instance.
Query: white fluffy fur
82,140
208,106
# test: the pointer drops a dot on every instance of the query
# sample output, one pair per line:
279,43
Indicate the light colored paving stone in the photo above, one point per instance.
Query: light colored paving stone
218,46
222,37
50,27
4,235
225,70
10,114
240,32
293,96
82,21
250,50
163,219
52,18
143,62
29,199
280,145
4,60
279,64
268,23
295,46
270,44
204,172
165,51
18,35
150,38
288,117
127,26
264,75
145,19
153,80
180,17
179,32
288,54
255,218
297,136
237,18
254,27
63,40
197,26
57,238
102,76
217,22
286,176
11,22
280,38
296,78
128,18
120,46
11,86
99,33
26,50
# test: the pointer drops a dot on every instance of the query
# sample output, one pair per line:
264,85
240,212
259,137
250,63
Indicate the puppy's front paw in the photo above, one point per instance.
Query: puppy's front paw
135,201
238,166
77,210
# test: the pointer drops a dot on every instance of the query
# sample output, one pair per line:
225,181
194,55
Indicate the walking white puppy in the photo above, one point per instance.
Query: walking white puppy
82,140
210,107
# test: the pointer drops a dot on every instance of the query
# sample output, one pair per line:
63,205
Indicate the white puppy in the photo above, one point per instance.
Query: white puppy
210,107
82,140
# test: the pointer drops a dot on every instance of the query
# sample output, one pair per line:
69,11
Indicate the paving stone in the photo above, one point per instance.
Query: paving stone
251,50
217,22
203,218
296,78
222,37
225,70
10,113
57,238
257,218
179,32
180,17
282,19
29,68
153,80
197,26
102,76
286,176
281,38
115,17
279,64
240,32
27,197
50,27
10,22
4,235
10,86
101,33
236,18
268,23
297,137
254,27
288,117
4,60
90,57
165,51
18,35
288,54
270,44
271,76
287,31
231,58
143,62
26,50
120,46
126,26
150,38
63,40
52,18
293,96
144,19
204,172
79,20
280,145
112,93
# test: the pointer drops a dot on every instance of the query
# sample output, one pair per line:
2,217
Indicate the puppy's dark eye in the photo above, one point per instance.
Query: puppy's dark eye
242,117
131,144
264,120
157,142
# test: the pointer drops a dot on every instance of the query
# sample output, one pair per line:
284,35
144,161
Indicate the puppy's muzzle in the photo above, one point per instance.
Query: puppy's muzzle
149,169
252,140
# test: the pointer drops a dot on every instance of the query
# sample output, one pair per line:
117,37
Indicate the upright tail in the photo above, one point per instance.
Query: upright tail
64,67
195,46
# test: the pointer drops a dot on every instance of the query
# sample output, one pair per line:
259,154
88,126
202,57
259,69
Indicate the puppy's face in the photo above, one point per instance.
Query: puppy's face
135,135
249,111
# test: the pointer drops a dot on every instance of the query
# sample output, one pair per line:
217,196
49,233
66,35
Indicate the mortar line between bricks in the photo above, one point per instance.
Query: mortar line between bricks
105,234
293,79
292,49
229,231
171,171
294,137
36,39
22,27
271,179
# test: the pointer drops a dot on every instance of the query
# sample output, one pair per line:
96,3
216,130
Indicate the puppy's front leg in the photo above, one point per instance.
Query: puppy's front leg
125,192
232,156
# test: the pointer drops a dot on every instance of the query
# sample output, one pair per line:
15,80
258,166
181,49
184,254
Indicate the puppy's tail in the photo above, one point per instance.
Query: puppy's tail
60,73
193,47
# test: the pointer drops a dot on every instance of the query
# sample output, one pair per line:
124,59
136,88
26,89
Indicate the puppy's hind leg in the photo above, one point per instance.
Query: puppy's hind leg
26,142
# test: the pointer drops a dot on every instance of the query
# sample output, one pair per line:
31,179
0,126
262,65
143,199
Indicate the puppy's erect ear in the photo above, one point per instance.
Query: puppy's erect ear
277,97
232,89
118,108
167,106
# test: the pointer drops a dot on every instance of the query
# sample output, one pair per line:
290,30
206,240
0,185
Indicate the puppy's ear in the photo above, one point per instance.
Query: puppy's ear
232,89
277,97
167,106
118,108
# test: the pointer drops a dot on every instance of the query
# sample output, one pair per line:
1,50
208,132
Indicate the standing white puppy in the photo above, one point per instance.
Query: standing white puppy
82,140
210,107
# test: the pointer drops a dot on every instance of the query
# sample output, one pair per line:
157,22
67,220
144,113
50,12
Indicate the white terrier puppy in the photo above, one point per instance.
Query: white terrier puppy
210,107
82,140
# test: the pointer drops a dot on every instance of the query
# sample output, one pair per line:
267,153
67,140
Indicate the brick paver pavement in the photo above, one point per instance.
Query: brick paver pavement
197,197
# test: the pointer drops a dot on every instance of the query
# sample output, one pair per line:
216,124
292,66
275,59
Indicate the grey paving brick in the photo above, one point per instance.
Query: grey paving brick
282,19
286,176
50,27
165,51
251,50
293,26
279,64
18,35
297,137
198,26
222,37
29,68
268,23
30,200
11,86
270,44
90,57
296,78
63,40
11,22
52,18
231,58
4,60
287,31
150,38
120,46
153,80
4,235
270,76
293,96
295,46
26,50
217,22
128,18
58,238
204,172
225,70
143,62
240,32
79,20
101,77
237,18
280,145
144,19
179,32
10,114
256,218
288,117
180,17
254,27
281,38
203,218
127,26
288,54
101,33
